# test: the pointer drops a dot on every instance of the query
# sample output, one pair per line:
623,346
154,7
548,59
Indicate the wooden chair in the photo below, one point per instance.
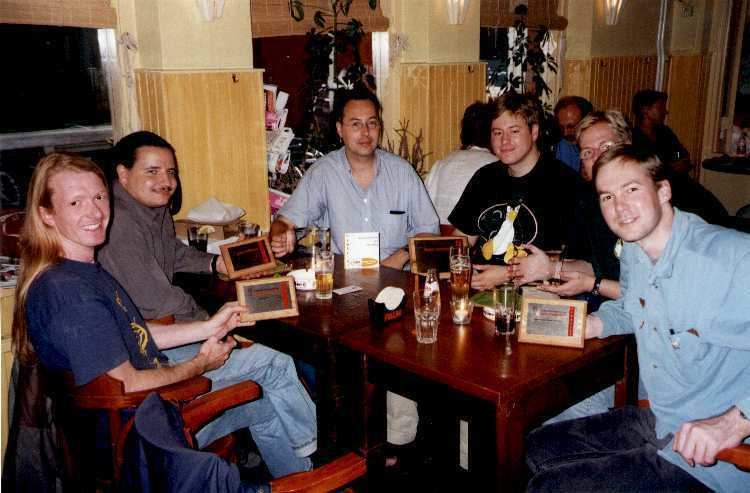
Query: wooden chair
163,461
108,395
739,455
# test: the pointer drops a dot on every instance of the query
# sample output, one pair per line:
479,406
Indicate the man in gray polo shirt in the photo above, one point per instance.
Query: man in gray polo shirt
359,188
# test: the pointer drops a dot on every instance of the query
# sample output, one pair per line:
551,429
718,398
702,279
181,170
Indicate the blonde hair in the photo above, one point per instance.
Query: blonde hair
40,245
613,119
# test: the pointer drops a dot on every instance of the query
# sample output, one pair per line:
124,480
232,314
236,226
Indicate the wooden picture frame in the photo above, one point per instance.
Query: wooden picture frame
268,298
426,252
553,322
248,256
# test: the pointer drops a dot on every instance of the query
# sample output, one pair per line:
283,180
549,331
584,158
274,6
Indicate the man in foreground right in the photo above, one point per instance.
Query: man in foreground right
684,294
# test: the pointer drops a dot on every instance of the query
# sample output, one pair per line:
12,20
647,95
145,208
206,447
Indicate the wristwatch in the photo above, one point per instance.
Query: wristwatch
597,285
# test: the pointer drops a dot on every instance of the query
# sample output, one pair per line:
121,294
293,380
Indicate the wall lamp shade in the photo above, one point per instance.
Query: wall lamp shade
457,10
612,11
210,9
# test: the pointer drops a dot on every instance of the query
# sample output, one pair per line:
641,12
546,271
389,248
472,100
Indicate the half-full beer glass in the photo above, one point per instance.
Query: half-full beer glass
323,265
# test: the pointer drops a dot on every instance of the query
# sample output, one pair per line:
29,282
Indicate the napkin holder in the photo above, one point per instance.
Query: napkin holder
380,315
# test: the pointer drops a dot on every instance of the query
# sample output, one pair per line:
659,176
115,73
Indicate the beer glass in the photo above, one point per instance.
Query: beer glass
460,265
323,266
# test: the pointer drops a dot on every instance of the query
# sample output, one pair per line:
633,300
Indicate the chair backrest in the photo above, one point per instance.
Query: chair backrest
158,457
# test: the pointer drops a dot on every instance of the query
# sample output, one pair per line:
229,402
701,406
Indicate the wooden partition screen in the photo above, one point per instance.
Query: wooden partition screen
215,121
610,83
433,100
686,86
614,81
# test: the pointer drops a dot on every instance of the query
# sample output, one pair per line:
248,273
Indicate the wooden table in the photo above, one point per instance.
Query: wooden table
313,335
468,374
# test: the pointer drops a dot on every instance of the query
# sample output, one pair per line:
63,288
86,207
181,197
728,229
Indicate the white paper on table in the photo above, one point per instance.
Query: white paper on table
214,212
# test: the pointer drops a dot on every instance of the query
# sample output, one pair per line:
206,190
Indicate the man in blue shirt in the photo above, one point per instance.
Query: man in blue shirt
684,294
359,188
569,111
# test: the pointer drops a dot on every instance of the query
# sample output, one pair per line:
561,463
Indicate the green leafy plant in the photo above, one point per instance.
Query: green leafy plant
324,43
527,54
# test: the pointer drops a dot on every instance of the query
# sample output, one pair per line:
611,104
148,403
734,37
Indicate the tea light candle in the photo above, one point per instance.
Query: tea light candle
462,311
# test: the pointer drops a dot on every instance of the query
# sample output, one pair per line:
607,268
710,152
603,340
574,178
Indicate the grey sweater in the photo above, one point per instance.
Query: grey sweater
143,254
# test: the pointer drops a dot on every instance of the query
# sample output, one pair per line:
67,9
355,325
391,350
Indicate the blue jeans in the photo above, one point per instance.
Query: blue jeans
615,451
601,402
282,422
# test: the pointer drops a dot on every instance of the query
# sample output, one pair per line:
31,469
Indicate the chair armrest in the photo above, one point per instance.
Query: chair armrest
203,409
329,477
739,456
105,392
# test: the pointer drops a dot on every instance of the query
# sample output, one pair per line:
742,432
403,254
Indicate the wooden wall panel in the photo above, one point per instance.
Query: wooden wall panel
214,119
271,17
74,13
686,86
499,13
610,83
614,81
577,78
433,99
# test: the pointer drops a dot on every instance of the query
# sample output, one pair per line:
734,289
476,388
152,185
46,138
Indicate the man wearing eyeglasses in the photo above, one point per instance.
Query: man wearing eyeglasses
359,188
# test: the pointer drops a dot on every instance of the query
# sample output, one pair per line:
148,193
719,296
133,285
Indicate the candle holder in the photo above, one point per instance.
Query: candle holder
461,310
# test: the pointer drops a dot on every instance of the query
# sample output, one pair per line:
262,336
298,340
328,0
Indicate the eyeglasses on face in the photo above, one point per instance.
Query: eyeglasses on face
359,125
588,152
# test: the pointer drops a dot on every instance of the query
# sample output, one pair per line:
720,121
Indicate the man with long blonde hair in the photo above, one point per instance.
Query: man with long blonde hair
73,315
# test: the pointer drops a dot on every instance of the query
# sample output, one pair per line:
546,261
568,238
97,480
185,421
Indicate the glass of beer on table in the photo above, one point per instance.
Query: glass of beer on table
460,265
323,266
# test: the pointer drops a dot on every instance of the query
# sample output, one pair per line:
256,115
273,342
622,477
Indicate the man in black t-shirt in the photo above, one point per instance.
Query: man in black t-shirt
524,198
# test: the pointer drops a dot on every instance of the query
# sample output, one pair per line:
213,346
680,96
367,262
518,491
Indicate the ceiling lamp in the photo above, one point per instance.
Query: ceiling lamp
457,10
612,10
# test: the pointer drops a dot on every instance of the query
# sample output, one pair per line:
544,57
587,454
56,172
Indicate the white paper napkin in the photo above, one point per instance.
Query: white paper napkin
213,211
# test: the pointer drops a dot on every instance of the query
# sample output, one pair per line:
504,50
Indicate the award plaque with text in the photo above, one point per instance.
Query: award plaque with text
426,252
553,322
248,256
268,298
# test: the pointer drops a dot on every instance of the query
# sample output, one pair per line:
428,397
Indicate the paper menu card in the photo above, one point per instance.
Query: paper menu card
362,250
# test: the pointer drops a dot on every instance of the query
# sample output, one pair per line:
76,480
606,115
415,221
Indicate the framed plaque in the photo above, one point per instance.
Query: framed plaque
553,322
268,298
427,252
248,256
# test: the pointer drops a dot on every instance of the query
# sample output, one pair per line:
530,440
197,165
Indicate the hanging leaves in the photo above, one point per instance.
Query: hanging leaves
296,10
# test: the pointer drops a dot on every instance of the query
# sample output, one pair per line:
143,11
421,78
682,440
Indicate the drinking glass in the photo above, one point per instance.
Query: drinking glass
461,310
554,258
460,265
323,266
426,316
197,239
249,229
504,298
